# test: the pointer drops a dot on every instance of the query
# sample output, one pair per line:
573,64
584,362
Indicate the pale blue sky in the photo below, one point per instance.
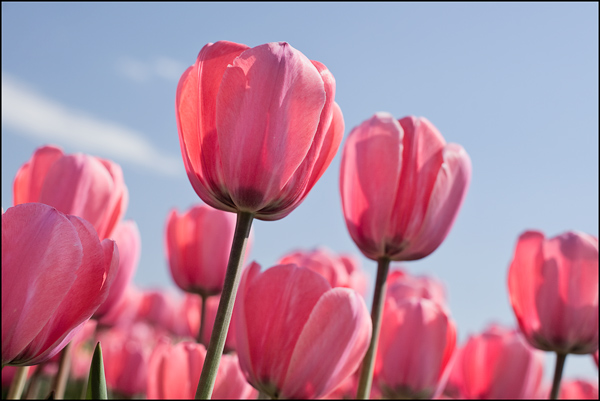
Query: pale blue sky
515,84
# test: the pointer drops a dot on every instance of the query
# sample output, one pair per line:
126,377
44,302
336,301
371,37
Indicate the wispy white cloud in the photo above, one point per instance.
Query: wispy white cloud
33,114
144,71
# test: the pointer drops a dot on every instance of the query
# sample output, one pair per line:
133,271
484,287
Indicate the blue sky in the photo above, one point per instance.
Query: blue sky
515,84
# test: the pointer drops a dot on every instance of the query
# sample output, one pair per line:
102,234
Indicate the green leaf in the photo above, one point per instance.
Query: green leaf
97,382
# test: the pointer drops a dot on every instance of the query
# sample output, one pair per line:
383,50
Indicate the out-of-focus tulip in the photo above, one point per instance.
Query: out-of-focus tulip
8,374
126,311
55,274
257,126
401,186
127,237
497,364
401,285
553,288
296,336
198,243
416,343
174,370
85,186
192,303
339,271
578,390
126,352
163,310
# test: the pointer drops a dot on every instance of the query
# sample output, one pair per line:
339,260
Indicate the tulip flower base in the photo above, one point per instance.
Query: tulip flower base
225,310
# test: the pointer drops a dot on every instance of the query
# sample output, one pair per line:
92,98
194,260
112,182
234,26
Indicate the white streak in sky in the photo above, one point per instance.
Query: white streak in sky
44,119
143,71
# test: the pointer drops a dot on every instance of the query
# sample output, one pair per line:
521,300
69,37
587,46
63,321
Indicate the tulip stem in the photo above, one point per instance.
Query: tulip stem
34,383
225,309
60,380
202,314
18,383
366,373
560,364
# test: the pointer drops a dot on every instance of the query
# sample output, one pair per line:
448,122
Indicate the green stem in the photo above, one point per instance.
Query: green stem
202,314
232,281
60,381
34,383
18,383
560,364
366,373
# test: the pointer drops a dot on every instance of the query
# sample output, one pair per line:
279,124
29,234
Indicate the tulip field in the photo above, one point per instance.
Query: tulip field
264,122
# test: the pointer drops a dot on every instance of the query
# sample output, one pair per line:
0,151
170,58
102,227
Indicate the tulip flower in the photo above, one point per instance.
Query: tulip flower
126,352
125,311
85,186
127,237
496,364
194,312
257,127
553,289
339,271
198,244
417,341
55,274
579,390
296,336
174,370
401,186
163,310
401,285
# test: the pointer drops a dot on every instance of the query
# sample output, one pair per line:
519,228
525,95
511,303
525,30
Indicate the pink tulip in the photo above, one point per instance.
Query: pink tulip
497,364
198,243
339,271
79,184
401,186
55,274
553,288
174,370
401,285
164,311
127,237
578,390
126,352
125,311
257,126
415,346
193,304
296,336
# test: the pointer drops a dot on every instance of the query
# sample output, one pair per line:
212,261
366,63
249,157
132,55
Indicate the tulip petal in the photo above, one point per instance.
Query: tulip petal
524,275
93,279
40,252
28,181
276,305
196,119
268,109
422,158
331,346
446,199
79,185
370,169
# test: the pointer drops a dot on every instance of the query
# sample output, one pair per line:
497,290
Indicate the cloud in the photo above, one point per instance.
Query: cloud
44,119
144,71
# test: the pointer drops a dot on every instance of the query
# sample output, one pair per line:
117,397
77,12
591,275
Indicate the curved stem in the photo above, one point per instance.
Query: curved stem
366,373
202,314
60,381
232,281
560,364
18,383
